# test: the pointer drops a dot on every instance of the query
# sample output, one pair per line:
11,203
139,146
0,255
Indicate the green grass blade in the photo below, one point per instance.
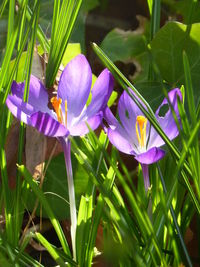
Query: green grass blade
50,249
7,57
56,11
189,263
83,228
124,82
150,6
40,34
2,7
189,89
63,34
11,19
37,191
155,17
18,208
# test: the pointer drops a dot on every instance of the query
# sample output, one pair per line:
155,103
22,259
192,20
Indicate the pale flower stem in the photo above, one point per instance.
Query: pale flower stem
66,144
145,170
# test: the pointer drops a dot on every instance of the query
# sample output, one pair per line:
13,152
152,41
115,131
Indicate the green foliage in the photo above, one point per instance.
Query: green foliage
167,48
123,45
137,229
55,187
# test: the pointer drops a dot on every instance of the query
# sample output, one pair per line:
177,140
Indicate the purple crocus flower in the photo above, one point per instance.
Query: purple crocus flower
68,114
135,136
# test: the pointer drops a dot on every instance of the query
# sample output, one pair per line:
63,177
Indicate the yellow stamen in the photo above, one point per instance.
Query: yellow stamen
56,103
141,133
66,113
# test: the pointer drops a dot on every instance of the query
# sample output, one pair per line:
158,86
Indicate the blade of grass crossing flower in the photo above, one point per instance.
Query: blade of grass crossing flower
50,249
37,191
150,115
6,62
18,208
124,82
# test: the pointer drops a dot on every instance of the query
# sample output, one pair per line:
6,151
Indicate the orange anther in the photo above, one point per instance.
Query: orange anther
141,133
56,103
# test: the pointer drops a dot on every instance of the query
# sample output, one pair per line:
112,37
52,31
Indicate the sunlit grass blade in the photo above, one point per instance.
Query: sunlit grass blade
6,195
37,191
56,11
83,228
18,208
189,89
11,19
40,34
2,7
7,57
50,249
150,5
140,215
195,157
62,33
189,263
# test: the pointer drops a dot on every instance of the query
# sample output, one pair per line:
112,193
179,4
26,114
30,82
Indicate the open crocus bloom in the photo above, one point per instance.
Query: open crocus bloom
134,135
69,114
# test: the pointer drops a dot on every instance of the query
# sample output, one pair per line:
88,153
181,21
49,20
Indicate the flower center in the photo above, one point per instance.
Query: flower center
56,103
141,121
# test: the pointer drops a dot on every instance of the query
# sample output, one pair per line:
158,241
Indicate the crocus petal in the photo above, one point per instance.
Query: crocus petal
151,156
167,122
75,83
110,118
118,138
117,134
47,125
100,93
82,127
38,96
19,109
128,112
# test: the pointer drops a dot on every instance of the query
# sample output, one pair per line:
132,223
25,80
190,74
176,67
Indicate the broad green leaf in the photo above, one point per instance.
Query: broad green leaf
167,49
123,45
183,8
